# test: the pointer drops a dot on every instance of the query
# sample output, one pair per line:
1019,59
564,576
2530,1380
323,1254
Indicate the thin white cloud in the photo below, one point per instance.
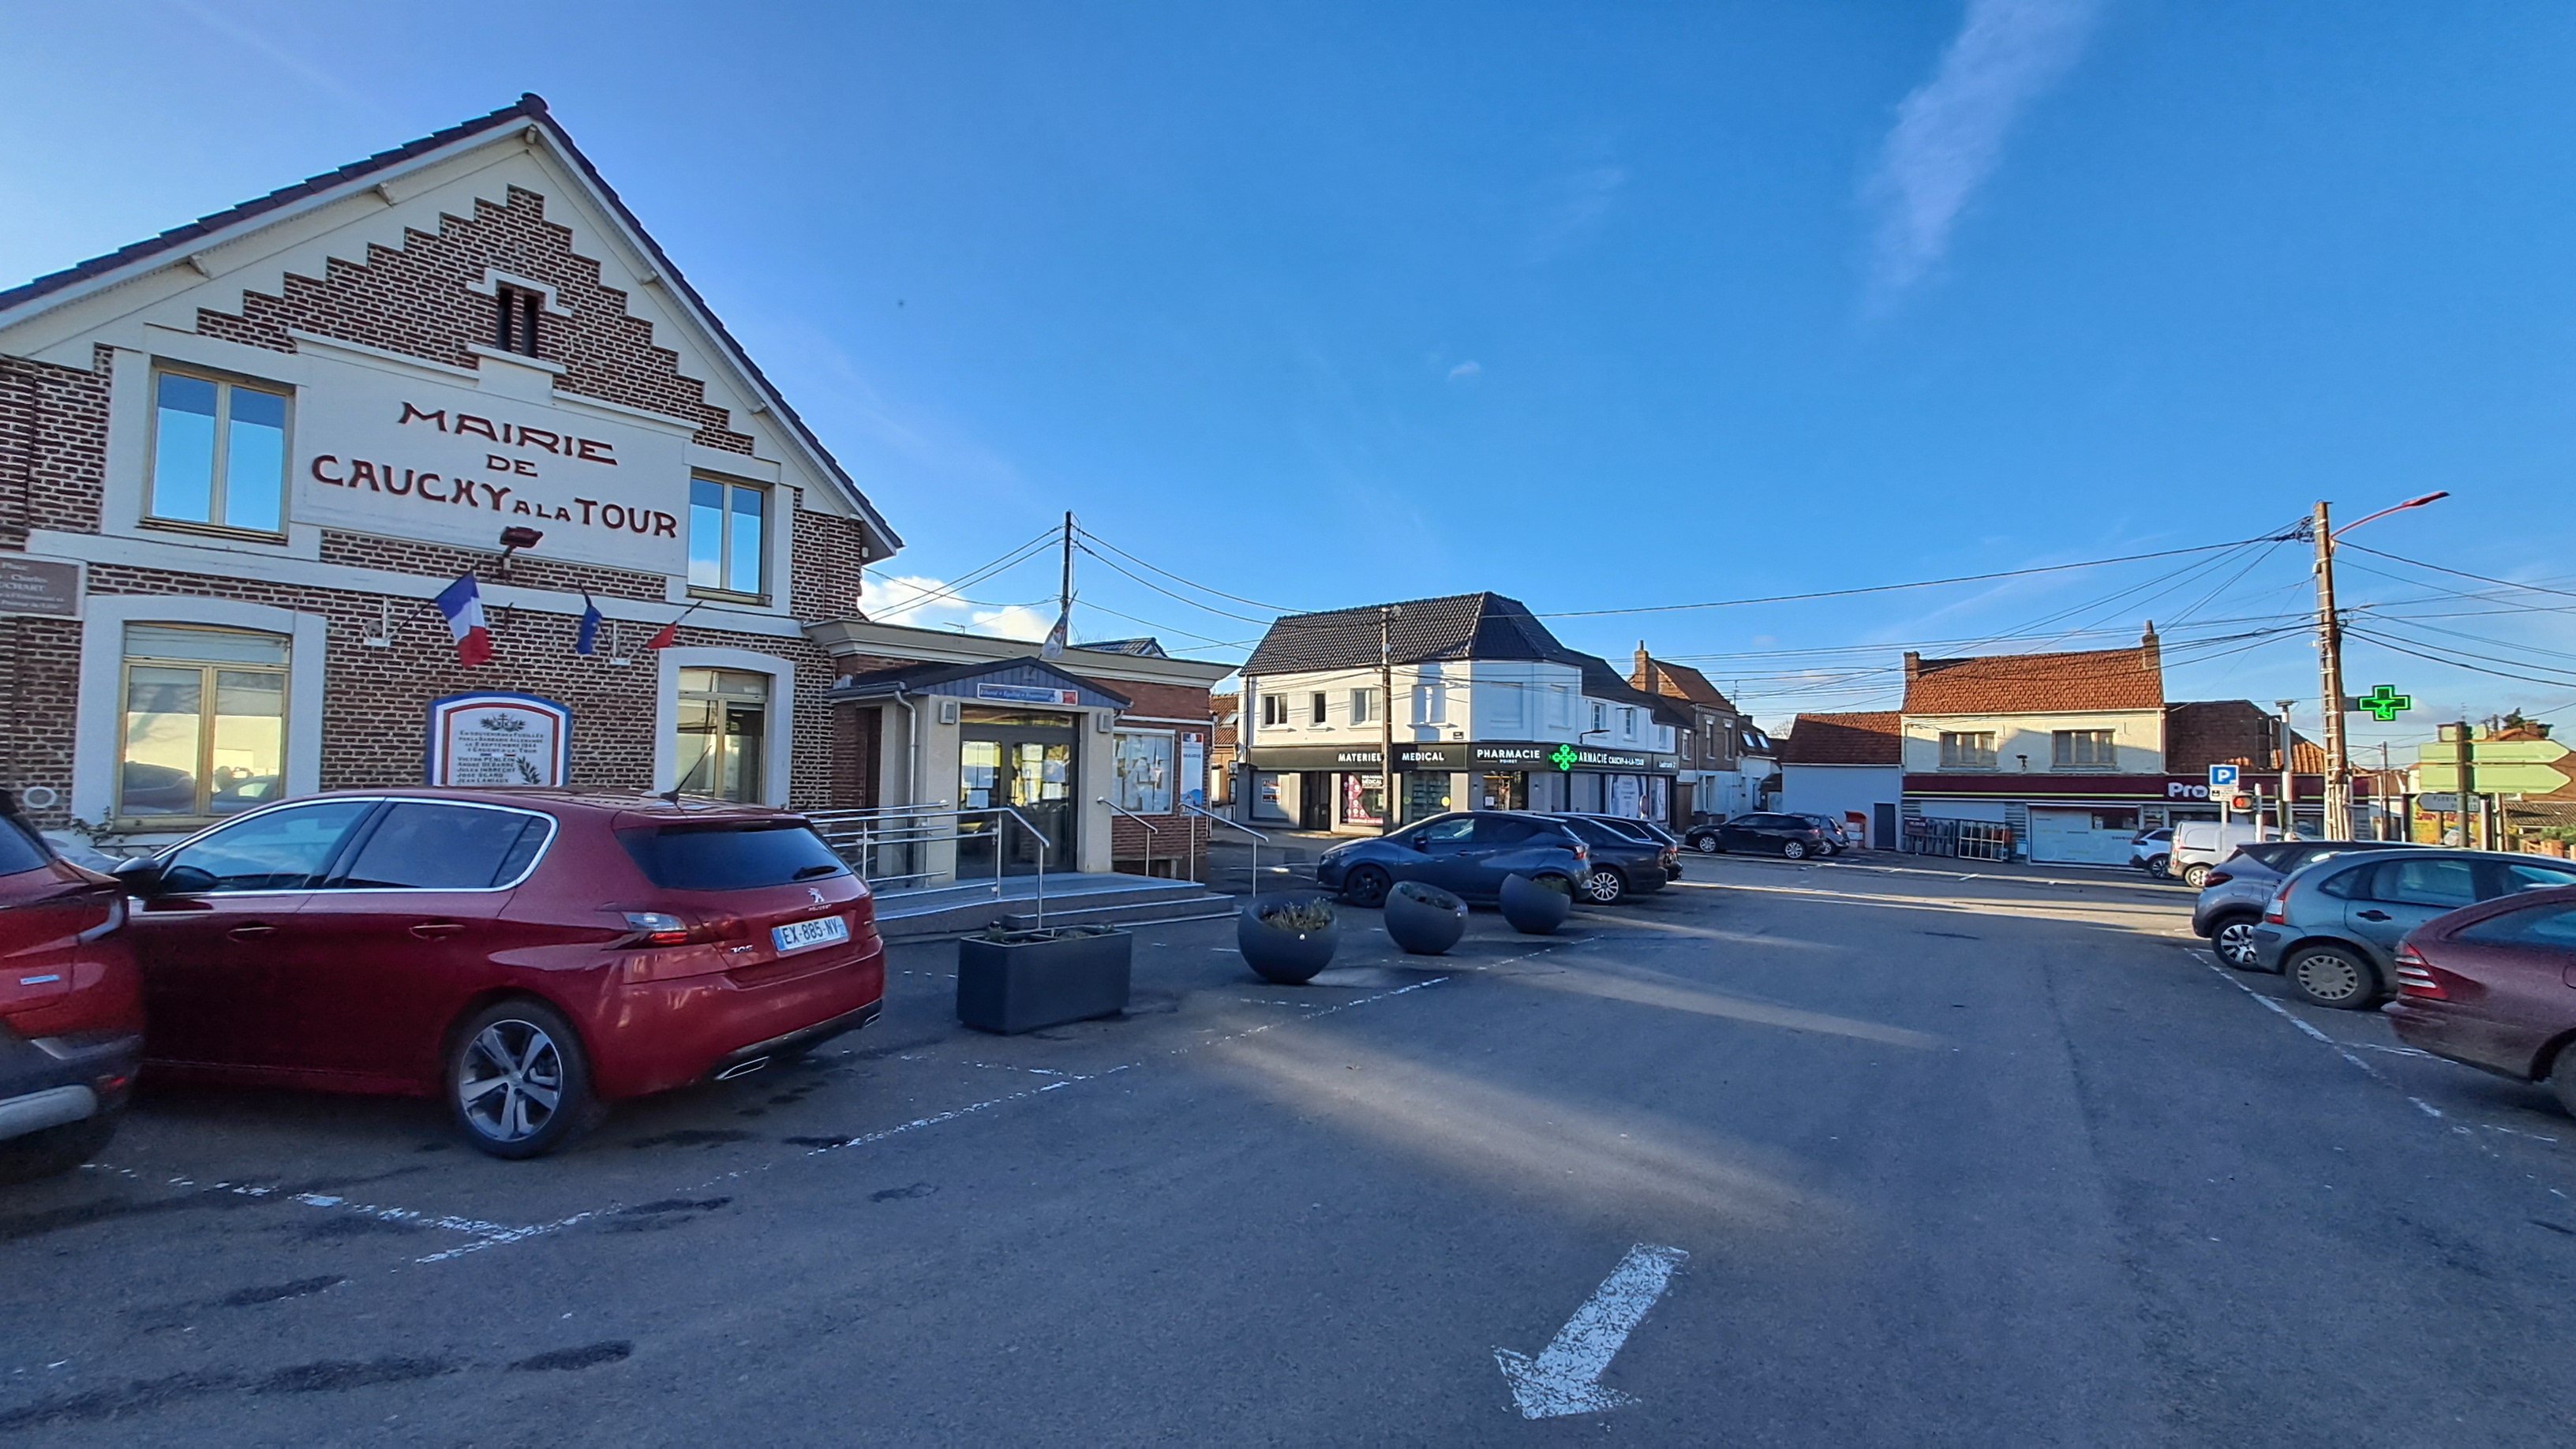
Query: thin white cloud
1465,370
1949,133
1573,207
924,603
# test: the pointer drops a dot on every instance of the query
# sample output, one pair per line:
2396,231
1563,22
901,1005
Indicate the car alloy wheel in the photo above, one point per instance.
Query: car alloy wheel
1366,886
1793,850
2330,976
2195,876
2234,942
510,1082
1706,845
1604,887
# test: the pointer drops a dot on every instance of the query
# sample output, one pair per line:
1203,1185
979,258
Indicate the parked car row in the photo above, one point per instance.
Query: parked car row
2472,953
1602,859
1795,837
526,957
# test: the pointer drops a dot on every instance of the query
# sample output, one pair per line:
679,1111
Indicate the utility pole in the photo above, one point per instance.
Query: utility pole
2289,764
2338,811
1386,718
1060,638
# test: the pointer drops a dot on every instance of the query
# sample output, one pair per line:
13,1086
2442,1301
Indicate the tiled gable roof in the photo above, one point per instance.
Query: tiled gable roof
1873,738
530,109
1459,626
2093,679
1676,681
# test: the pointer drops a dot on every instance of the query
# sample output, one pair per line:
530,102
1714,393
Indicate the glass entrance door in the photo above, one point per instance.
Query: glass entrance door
1024,761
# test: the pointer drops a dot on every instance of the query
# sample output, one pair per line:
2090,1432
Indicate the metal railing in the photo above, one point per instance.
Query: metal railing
902,835
1150,832
1257,839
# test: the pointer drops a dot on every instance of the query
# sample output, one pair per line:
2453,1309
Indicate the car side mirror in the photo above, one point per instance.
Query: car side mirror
141,875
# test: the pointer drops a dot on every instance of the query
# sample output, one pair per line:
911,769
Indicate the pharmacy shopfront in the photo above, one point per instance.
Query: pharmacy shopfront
1324,787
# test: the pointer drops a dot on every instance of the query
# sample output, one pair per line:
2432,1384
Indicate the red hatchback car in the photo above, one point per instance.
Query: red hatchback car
2494,985
71,1011
526,956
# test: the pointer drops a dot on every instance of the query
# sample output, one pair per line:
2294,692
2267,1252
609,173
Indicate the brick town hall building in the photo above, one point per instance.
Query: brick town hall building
241,460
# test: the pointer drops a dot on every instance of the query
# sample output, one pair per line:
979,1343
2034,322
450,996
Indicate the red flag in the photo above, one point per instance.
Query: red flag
664,637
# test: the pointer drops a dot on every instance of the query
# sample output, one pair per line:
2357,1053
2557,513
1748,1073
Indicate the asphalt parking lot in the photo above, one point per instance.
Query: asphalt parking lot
1927,1159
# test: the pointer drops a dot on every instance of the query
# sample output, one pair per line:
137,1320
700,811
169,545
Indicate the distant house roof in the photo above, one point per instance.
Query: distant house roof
1678,681
1147,648
2092,679
1750,740
2202,733
1459,626
1875,738
529,110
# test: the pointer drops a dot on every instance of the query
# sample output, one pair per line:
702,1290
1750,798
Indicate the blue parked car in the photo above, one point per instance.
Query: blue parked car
1466,853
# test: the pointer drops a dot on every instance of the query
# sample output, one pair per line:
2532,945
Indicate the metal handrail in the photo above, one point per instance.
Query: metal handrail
911,826
1150,832
1256,835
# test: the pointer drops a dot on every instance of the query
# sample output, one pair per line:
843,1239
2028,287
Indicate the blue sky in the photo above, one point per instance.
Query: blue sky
1597,306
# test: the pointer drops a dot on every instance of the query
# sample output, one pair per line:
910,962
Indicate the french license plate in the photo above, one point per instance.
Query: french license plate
800,935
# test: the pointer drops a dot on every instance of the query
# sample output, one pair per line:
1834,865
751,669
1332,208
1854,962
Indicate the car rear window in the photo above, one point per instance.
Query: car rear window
19,850
2280,855
731,856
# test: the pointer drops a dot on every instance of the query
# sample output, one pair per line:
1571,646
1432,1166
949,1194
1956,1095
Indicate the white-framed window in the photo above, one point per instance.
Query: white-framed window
723,734
1363,706
1274,709
218,453
1430,704
2082,750
1600,719
204,726
1967,749
1628,724
1318,707
1144,766
728,536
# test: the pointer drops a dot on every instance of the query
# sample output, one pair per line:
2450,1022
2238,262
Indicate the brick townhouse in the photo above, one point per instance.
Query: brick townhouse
241,461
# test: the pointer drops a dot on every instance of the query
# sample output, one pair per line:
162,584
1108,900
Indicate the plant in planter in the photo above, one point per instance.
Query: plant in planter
1424,920
1287,939
1537,907
1014,981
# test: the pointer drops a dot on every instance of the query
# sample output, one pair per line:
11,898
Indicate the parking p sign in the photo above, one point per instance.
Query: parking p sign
2221,777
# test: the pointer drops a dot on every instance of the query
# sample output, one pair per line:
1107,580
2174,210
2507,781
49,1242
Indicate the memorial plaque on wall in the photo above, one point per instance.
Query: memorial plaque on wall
479,741
50,587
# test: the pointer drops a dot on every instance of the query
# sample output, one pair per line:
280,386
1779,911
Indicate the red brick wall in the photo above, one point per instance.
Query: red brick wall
40,672
830,556
403,556
376,701
53,436
412,299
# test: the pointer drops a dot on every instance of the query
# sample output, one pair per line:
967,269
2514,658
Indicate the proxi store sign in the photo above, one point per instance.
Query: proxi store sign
413,459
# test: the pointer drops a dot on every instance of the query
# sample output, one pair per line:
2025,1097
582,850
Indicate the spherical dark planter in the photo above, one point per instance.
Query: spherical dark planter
1289,952
1424,920
1532,908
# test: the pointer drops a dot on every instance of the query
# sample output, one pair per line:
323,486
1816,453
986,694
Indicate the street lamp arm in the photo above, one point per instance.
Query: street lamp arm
2400,508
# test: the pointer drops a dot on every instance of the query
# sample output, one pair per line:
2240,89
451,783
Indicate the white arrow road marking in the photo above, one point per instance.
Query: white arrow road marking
1566,1376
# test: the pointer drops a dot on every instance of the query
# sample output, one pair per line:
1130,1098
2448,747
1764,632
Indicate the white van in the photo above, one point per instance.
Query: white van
2200,844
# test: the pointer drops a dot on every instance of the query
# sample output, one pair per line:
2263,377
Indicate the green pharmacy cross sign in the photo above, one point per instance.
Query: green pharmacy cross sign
1563,757
2384,703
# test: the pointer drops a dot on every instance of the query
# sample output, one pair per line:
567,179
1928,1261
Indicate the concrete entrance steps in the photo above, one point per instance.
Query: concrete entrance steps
1071,899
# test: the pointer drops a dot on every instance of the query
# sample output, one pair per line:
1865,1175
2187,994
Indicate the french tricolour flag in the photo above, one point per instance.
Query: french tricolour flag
462,603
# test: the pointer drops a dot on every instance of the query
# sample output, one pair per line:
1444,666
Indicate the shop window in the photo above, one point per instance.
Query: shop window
218,453
205,722
1967,749
1274,709
723,728
1144,769
728,529
1316,709
1363,798
2082,750
515,311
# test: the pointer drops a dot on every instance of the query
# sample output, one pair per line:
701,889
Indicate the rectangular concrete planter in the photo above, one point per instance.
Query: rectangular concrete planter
1031,979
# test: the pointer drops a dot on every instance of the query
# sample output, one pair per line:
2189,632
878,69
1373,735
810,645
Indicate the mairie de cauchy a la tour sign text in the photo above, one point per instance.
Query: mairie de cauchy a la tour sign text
434,464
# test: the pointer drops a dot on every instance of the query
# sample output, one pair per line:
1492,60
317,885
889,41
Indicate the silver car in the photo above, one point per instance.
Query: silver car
2232,899
2333,929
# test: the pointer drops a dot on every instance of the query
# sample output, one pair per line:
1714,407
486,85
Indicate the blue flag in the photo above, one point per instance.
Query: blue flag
587,641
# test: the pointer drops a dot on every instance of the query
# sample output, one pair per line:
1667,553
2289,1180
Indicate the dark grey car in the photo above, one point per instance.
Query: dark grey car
2333,928
1467,853
1623,862
2231,903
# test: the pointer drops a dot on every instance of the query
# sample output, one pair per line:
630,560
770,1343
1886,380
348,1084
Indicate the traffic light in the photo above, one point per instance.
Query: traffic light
2240,802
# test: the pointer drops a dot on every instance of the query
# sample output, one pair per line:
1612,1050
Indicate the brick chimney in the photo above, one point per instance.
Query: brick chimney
1913,666
2152,652
1641,675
